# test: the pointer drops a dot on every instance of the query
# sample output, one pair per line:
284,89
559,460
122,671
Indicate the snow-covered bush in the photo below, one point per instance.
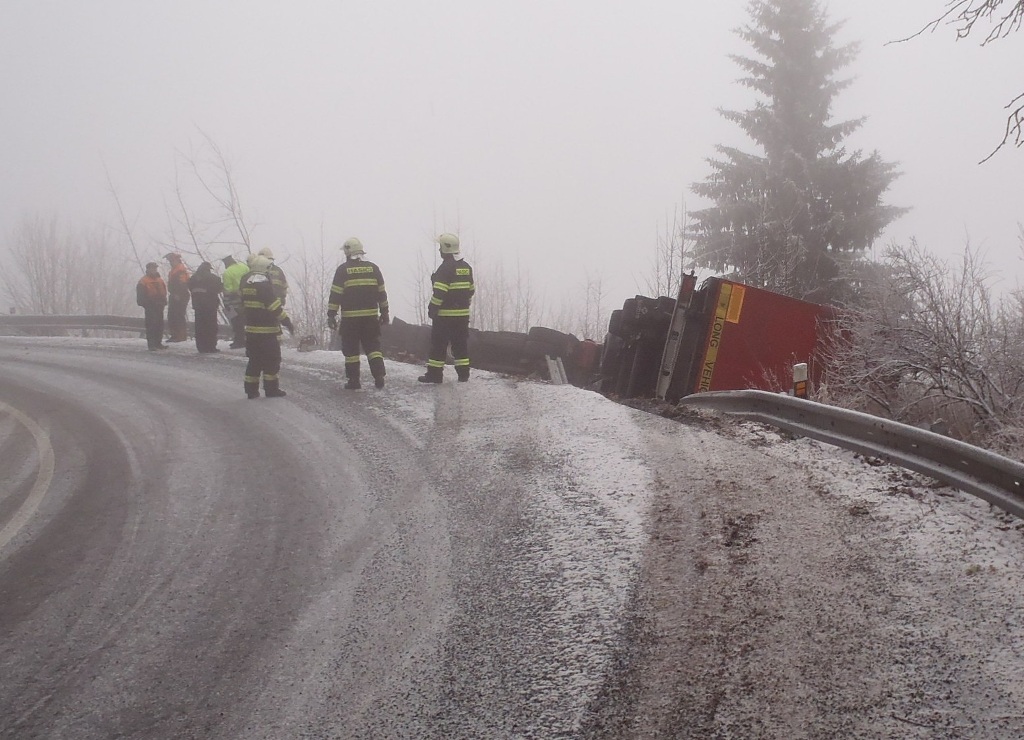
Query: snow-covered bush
927,342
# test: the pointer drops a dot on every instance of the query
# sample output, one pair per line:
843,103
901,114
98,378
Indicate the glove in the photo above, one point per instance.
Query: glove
332,322
287,324
385,319
432,311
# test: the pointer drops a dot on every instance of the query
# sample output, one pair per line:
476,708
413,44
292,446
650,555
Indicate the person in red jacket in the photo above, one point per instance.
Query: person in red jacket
151,294
177,298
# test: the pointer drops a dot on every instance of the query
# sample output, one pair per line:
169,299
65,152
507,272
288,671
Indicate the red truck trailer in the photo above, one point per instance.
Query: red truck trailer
730,336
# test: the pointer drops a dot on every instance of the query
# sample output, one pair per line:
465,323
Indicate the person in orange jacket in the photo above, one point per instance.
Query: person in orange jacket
151,294
177,298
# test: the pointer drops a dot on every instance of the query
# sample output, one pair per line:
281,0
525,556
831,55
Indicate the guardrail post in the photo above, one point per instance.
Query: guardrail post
800,380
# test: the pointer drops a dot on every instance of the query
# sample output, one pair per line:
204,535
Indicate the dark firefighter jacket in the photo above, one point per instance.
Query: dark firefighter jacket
151,292
357,290
263,311
205,287
453,289
279,281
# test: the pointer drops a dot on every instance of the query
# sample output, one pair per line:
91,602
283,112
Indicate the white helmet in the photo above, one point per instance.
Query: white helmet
353,247
449,243
258,262
265,252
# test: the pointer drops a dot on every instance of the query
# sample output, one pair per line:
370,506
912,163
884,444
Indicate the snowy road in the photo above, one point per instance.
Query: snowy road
500,559
417,562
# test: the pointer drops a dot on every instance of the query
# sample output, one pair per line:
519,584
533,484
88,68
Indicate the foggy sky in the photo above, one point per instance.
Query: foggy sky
560,134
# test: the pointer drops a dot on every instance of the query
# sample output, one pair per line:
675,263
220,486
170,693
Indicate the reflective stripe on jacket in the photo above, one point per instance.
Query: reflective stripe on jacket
279,281
453,288
205,288
263,310
357,290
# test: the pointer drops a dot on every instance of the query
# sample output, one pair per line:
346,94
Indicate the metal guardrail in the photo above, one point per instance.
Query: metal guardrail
991,477
31,322
41,323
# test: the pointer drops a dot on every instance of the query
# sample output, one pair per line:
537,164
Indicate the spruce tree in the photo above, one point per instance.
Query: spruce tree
786,217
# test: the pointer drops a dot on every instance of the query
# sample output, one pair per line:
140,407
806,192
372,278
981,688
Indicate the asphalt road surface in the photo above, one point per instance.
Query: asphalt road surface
497,559
179,561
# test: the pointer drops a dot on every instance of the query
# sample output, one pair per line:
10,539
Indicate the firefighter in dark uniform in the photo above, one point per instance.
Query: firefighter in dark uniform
276,275
449,312
358,292
205,288
264,317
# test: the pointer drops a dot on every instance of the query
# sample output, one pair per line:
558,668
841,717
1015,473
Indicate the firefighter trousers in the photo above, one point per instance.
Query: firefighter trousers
356,332
264,353
449,331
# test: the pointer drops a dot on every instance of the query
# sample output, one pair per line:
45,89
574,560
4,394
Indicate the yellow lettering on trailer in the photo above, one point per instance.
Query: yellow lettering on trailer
715,340
736,304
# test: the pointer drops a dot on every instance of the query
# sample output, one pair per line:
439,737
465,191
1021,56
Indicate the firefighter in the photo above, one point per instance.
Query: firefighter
358,292
205,288
449,312
151,294
276,275
264,317
233,273
177,298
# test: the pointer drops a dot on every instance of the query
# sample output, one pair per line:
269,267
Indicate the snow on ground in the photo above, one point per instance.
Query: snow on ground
795,589
802,591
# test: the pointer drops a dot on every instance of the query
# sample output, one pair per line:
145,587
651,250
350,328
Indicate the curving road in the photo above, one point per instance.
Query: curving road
178,561
497,559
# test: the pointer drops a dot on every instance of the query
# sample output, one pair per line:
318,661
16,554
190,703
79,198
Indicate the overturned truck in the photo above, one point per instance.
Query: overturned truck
723,335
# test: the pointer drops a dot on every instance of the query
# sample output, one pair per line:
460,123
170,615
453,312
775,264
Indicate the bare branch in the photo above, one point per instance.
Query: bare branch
964,14
124,221
1014,125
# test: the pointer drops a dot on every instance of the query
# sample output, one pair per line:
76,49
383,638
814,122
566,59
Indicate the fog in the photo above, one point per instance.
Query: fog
559,136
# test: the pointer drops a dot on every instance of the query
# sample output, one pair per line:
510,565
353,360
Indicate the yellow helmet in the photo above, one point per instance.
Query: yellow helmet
353,247
258,262
449,243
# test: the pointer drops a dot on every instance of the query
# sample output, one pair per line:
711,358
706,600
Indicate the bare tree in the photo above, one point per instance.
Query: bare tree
1006,17
420,287
58,271
506,300
929,340
672,257
214,222
583,312
126,228
309,290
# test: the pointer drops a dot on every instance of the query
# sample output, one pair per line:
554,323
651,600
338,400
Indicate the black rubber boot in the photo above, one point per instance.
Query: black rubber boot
272,389
433,375
378,372
252,390
463,373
